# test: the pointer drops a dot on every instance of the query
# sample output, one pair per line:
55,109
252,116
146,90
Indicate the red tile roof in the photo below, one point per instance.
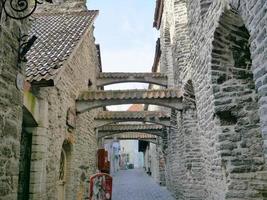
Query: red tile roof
136,107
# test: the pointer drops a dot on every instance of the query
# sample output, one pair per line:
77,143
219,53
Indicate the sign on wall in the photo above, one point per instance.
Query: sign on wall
100,187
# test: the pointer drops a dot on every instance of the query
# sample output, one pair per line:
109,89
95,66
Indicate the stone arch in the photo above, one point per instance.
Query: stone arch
83,108
252,19
64,170
151,80
240,143
88,100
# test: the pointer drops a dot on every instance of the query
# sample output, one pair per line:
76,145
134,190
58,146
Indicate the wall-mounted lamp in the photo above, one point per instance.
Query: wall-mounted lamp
20,9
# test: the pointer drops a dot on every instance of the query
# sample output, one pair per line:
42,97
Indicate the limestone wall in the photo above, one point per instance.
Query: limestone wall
227,67
10,105
154,161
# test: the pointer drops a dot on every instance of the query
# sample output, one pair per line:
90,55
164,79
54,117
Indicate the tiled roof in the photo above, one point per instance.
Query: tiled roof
58,34
131,114
133,135
130,94
133,74
122,128
130,127
107,78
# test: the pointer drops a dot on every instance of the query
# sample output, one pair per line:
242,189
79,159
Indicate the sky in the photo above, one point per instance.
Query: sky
126,37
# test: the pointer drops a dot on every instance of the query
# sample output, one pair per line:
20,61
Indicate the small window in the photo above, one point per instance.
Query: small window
204,6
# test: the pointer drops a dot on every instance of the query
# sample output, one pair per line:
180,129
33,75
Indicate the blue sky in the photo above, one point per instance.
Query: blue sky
125,34
126,37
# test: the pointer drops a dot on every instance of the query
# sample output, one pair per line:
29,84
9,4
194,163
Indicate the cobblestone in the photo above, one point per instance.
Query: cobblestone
136,185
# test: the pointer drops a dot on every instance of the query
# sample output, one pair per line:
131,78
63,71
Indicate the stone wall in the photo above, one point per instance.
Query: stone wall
81,160
227,67
63,6
175,41
153,151
184,154
11,102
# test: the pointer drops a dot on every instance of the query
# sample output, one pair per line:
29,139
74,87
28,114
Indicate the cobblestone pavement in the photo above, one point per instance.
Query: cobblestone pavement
134,184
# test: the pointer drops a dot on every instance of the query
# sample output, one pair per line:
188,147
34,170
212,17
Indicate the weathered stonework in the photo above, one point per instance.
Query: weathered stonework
36,125
60,98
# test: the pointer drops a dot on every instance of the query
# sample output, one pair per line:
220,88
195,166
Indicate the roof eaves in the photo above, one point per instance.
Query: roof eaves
99,57
156,57
158,14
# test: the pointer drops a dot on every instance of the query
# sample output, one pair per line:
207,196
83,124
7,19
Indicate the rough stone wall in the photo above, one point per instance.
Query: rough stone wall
10,105
175,41
162,159
173,151
238,141
227,46
63,6
191,159
184,172
81,66
166,60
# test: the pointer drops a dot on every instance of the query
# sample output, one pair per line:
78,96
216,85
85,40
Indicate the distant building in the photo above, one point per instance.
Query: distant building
129,148
130,155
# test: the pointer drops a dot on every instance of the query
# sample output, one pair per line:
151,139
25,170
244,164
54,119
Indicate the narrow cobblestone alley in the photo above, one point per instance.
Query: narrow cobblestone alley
136,185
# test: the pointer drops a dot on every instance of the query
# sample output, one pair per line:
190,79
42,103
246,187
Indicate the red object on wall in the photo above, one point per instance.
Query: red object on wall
100,187
103,163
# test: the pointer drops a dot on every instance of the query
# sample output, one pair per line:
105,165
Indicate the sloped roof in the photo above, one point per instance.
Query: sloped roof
129,127
131,115
132,136
58,34
133,74
158,14
129,94
156,57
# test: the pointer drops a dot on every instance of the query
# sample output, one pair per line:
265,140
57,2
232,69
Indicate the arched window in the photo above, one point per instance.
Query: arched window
204,6
62,167
64,170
